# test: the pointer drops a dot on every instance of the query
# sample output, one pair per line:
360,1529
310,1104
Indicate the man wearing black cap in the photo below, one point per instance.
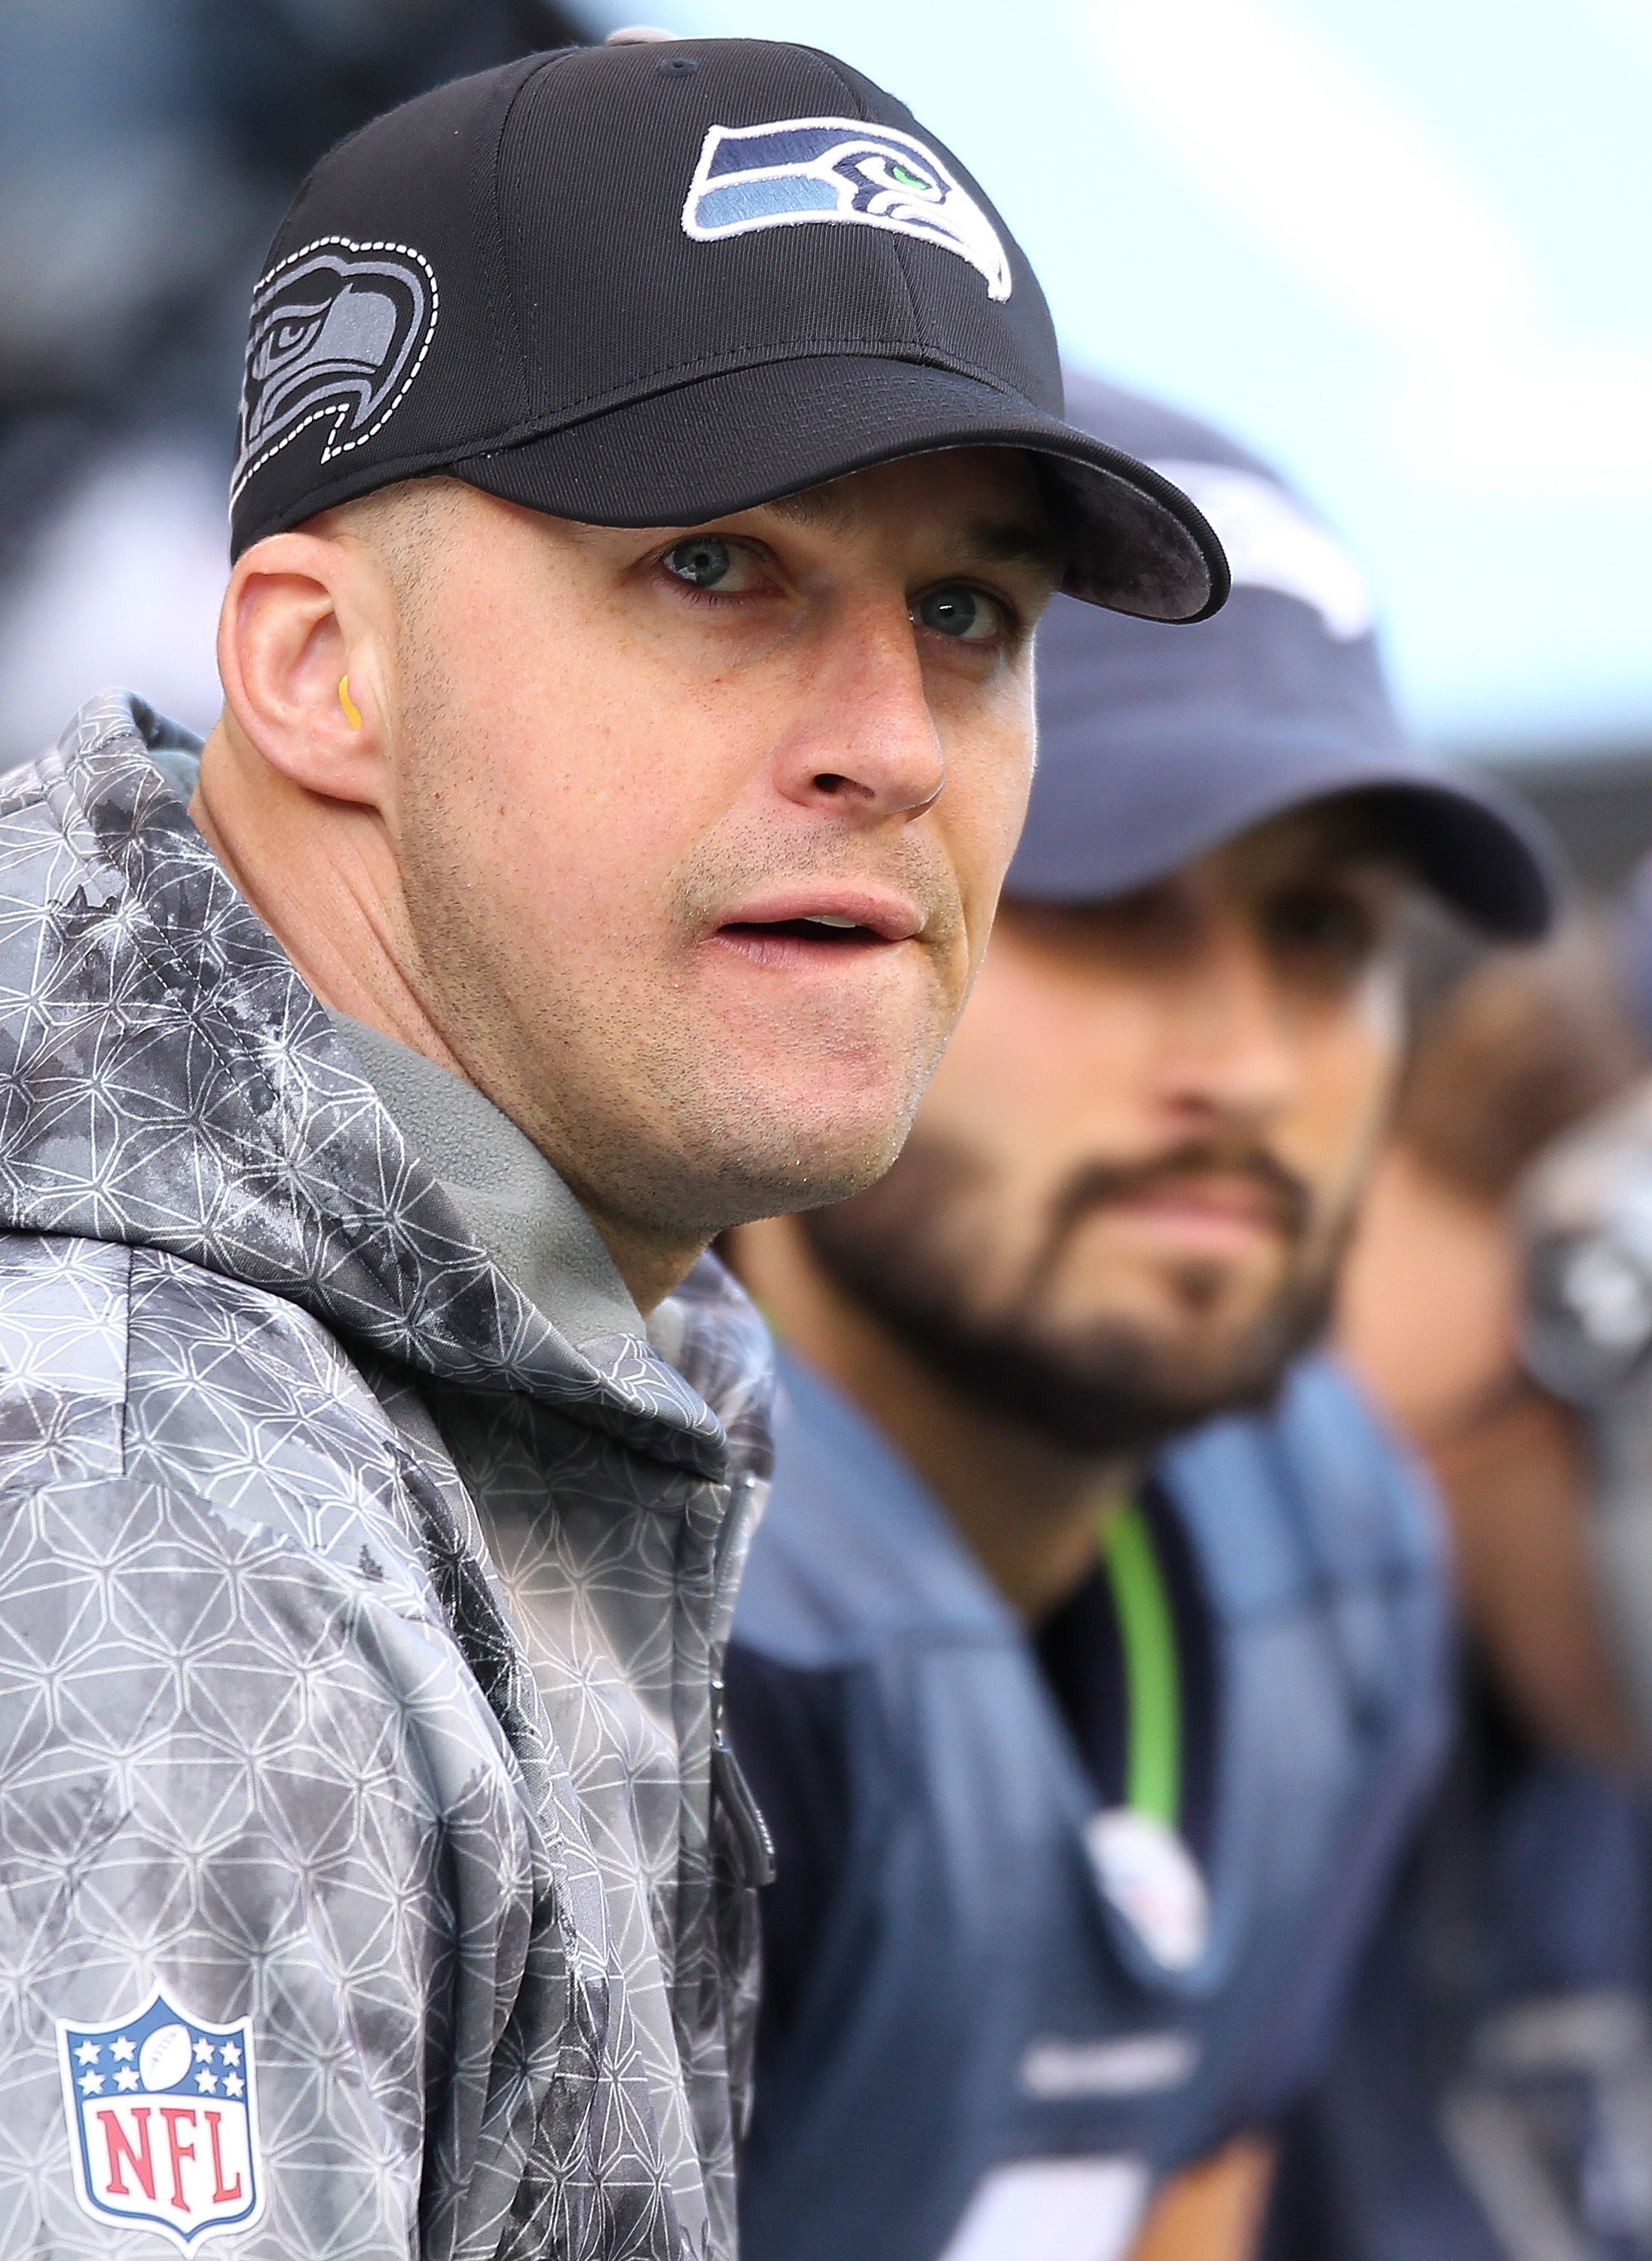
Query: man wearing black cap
1085,1717
651,470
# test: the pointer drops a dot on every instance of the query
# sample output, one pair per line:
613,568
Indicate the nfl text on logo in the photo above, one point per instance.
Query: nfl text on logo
164,2121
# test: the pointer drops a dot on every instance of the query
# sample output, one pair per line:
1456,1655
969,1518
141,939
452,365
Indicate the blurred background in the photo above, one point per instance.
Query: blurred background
1401,246
148,150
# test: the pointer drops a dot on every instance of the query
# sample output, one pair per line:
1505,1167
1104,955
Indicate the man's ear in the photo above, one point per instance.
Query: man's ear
305,622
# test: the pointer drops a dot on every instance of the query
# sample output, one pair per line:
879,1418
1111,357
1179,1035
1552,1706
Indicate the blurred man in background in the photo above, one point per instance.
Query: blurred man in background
1491,2098
1084,1749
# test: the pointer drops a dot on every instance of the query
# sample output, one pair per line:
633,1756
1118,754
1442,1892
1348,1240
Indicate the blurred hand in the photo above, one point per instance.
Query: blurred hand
1212,2212
1431,1314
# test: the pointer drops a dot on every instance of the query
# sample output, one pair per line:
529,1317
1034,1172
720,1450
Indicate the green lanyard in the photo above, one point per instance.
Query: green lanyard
1153,1676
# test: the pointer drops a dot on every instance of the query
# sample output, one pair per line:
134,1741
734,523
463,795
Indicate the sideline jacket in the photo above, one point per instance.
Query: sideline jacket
972,2048
320,1913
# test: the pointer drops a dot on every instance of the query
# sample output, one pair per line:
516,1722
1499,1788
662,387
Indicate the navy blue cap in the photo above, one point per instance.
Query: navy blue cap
1155,747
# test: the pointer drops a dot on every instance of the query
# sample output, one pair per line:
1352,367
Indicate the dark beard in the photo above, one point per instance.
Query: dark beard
1105,1390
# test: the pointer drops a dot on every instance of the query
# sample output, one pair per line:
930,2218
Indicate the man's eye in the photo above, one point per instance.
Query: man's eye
969,616
707,562
1327,925
703,562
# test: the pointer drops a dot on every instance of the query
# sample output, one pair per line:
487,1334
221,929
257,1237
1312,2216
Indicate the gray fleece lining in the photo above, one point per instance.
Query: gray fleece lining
503,1187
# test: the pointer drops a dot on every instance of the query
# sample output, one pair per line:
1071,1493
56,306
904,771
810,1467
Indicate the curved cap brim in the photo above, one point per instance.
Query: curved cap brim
1481,854
1475,847
749,435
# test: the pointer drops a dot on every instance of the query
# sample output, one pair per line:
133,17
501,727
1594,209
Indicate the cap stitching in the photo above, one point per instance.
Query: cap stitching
919,329
835,69
497,204
855,96
850,346
853,92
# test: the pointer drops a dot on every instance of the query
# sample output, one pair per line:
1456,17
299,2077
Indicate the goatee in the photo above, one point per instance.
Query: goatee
1101,1390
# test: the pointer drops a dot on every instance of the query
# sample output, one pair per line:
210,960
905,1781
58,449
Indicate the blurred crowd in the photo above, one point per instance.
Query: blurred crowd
147,148
1298,1604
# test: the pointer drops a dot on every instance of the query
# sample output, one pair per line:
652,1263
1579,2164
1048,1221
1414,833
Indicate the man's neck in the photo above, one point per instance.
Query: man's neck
1029,1511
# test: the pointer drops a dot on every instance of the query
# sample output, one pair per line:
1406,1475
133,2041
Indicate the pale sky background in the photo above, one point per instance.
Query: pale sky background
1404,248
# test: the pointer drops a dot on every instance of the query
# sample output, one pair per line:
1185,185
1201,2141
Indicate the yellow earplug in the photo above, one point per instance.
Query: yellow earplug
352,712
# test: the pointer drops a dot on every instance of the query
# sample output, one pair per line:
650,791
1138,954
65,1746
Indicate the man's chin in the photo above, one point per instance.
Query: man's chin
1198,1308
760,1163
1139,1379
1121,1391
807,1141
809,1175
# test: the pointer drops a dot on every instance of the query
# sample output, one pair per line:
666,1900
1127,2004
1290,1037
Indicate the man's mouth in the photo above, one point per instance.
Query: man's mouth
1201,1205
818,928
792,931
1211,1214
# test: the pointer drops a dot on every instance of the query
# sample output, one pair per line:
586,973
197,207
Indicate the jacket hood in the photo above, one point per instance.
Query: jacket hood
167,1079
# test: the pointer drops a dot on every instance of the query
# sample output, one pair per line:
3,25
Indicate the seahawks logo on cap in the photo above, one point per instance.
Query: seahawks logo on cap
340,330
836,169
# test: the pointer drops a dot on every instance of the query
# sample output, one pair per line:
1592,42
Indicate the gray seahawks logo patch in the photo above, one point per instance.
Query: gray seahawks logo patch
340,330
798,169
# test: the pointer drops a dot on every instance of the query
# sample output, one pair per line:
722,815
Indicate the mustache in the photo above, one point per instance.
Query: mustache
1106,1185
735,864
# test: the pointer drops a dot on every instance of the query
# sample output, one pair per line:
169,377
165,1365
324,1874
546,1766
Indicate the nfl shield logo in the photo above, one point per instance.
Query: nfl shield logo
162,2121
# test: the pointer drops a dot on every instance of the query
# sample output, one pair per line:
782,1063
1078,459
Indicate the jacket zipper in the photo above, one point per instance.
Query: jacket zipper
729,1783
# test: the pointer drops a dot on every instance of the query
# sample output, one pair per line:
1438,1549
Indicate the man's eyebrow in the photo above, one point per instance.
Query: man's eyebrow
1015,541
828,505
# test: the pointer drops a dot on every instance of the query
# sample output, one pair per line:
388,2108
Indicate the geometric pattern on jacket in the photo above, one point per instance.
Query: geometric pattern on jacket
268,1737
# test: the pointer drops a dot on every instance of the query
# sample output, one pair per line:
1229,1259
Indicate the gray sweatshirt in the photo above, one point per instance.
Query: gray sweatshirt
365,1572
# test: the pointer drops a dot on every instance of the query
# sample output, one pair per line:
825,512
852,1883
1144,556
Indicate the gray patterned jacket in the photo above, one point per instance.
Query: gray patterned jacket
269,1744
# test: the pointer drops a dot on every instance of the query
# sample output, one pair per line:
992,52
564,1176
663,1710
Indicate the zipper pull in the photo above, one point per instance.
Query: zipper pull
731,1788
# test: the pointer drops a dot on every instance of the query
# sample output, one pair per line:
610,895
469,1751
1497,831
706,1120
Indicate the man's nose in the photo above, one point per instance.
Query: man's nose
866,743
1231,1054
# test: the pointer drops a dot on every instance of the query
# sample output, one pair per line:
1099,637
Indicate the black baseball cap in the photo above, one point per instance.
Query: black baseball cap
1154,750
653,284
